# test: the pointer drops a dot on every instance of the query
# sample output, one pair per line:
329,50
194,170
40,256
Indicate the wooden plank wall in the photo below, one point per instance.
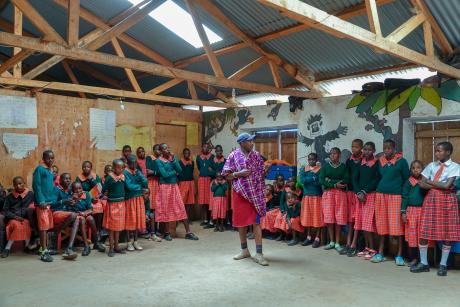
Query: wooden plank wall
63,126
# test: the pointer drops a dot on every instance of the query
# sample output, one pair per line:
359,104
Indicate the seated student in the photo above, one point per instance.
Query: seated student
440,214
135,207
171,207
293,217
89,179
267,223
115,212
219,189
280,221
411,209
311,216
82,205
278,188
186,182
141,161
15,210
2,218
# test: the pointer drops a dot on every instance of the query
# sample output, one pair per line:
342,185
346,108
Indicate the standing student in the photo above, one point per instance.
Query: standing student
293,217
125,152
440,217
311,216
135,208
365,182
219,189
15,210
171,207
394,171
154,184
411,209
89,179
204,164
217,165
141,160
107,170
334,177
115,212
186,182
353,165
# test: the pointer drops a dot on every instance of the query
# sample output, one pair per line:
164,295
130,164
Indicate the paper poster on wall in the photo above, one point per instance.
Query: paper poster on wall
20,145
133,136
102,128
191,131
18,112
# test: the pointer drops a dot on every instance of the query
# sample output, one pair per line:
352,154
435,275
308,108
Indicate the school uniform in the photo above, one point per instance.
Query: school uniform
366,180
43,188
440,217
87,184
268,221
412,203
334,200
219,199
16,205
186,181
153,181
203,163
311,213
393,174
82,204
353,164
293,215
60,212
142,166
135,207
280,220
115,211
171,207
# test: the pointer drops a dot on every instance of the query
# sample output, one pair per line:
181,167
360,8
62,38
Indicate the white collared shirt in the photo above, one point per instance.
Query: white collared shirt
451,169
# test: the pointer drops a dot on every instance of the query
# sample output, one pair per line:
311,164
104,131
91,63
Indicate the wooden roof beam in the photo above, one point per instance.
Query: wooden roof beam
129,72
95,73
406,28
163,87
17,68
323,21
192,90
373,17
72,77
251,67
275,74
73,22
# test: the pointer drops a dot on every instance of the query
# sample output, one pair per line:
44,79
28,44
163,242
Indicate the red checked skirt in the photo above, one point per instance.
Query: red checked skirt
295,223
154,187
98,207
334,204
353,201
44,218
311,214
219,207
115,216
388,214
412,227
18,230
440,221
135,214
187,191
244,213
280,221
204,190
268,221
365,214
171,207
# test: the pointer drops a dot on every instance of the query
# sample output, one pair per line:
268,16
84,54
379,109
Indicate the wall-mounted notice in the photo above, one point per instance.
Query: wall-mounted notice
18,112
19,145
102,128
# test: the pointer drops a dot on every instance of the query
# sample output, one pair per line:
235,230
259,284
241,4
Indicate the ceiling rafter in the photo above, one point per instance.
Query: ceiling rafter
72,77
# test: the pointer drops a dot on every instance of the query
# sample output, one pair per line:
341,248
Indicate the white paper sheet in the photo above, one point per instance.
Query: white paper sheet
20,145
18,112
102,128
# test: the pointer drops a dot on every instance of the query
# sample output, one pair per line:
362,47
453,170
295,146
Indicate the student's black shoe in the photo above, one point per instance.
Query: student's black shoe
86,251
119,251
420,268
191,236
216,229
251,236
5,253
100,247
111,253
352,252
293,242
46,257
221,228
316,244
168,237
344,251
203,223
209,226
307,242
442,270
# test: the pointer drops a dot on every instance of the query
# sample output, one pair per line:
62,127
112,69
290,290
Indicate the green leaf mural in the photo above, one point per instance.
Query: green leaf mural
356,101
413,98
368,102
432,97
380,103
399,100
450,90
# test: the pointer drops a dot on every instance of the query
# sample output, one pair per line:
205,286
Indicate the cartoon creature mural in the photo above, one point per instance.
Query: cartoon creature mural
317,138
242,117
274,111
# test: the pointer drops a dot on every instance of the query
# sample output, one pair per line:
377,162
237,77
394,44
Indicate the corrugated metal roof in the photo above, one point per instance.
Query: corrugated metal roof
446,13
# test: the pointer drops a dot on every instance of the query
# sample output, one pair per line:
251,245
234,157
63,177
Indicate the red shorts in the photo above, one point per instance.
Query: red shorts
60,216
44,218
244,213
18,230
334,204
204,190
135,214
311,214
388,214
187,191
115,216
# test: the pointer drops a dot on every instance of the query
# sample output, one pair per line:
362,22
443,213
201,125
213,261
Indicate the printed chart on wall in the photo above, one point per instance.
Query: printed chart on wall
18,112
20,145
102,128
134,136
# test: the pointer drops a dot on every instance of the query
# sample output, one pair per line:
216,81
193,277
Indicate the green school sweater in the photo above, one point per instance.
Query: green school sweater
83,205
334,175
203,166
60,196
367,178
353,167
217,166
187,171
134,184
43,185
115,189
168,171
293,211
310,182
393,176
412,195
219,189
151,165
88,184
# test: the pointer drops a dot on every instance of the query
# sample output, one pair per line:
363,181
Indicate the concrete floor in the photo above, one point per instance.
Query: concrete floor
185,273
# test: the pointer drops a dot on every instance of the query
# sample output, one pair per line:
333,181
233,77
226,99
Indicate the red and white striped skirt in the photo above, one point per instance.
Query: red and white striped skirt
280,221
115,216
187,191
154,187
412,227
135,214
171,207
268,221
352,202
204,190
44,218
311,214
219,207
18,230
365,214
388,214
334,204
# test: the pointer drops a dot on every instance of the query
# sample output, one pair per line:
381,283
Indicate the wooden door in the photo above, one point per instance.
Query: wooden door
427,135
173,135
267,147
